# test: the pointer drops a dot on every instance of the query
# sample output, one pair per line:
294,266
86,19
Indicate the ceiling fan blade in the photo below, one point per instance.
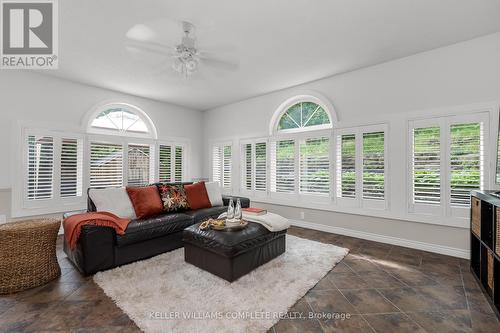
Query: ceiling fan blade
141,32
153,47
220,64
218,48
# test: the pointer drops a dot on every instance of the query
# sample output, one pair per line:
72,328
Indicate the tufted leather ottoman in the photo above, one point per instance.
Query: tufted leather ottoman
231,255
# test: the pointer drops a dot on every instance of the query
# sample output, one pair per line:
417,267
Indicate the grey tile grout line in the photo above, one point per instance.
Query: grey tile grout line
404,313
366,321
466,297
312,310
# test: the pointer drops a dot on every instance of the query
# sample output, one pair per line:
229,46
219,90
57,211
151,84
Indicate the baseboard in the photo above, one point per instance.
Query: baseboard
446,250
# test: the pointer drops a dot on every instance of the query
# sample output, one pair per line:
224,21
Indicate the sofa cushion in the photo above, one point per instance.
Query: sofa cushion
146,201
214,193
113,200
197,196
144,229
203,214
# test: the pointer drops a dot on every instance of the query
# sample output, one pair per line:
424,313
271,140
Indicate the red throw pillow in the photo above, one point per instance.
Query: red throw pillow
197,196
146,201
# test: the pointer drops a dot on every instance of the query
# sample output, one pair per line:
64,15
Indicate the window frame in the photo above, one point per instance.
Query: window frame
312,97
173,144
445,208
90,116
39,206
307,198
358,200
222,144
253,192
124,142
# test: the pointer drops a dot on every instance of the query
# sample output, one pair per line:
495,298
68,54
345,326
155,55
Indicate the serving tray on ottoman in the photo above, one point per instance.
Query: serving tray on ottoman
231,255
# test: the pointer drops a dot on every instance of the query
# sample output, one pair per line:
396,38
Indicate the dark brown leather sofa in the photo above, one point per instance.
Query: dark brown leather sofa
100,248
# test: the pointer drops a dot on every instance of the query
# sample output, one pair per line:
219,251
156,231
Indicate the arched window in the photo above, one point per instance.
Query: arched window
121,146
121,119
304,116
295,160
303,113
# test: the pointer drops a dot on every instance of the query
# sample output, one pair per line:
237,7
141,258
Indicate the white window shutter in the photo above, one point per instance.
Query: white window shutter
217,164
426,165
165,163
71,168
179,164
260,181
40,173
247,167
106,165
139,157
346,166
466,171
283,166
226,167
314,166
374,166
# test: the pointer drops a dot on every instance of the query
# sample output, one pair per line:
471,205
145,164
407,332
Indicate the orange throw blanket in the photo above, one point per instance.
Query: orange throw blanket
73,224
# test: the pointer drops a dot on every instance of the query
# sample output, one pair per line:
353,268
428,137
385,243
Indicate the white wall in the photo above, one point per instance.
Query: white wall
35,98
452,80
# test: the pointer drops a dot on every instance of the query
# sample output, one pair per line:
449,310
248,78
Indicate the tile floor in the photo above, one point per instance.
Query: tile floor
383,288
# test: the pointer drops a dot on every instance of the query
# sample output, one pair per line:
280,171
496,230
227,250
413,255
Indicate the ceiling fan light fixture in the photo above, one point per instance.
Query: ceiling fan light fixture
184,66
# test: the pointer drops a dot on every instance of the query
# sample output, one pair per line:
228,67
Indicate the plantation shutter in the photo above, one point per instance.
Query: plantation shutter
465,162
373,166
426,165
138,165
165,161
106,165
71,168
283,166
217,164
179,156
247,153
260,166
226,166
314,164
40,182
347,159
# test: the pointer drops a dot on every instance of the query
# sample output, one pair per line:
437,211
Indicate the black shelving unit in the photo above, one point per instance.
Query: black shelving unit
485,245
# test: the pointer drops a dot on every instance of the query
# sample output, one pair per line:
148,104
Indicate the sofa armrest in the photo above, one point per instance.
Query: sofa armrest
245,202
68,214
95,247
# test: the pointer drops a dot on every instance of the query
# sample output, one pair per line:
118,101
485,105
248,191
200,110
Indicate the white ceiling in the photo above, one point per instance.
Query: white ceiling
277,43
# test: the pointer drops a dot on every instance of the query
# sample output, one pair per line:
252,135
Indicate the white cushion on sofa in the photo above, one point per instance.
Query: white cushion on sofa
113,200
214,193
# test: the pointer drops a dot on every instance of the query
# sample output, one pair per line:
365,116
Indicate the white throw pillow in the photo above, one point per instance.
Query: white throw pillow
113,200
214,194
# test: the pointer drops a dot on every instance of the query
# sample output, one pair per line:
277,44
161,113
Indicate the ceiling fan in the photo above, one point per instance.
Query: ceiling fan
186,58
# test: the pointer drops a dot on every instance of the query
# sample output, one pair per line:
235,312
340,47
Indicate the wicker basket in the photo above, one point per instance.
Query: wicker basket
476,216
490,269
28,254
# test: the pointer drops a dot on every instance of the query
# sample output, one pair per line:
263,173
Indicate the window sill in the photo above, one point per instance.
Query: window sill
333,206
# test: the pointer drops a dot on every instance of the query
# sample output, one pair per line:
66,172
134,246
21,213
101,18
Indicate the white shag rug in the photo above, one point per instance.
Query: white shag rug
166,294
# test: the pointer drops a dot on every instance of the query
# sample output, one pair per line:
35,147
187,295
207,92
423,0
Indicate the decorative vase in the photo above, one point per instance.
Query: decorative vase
237,210
230,210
